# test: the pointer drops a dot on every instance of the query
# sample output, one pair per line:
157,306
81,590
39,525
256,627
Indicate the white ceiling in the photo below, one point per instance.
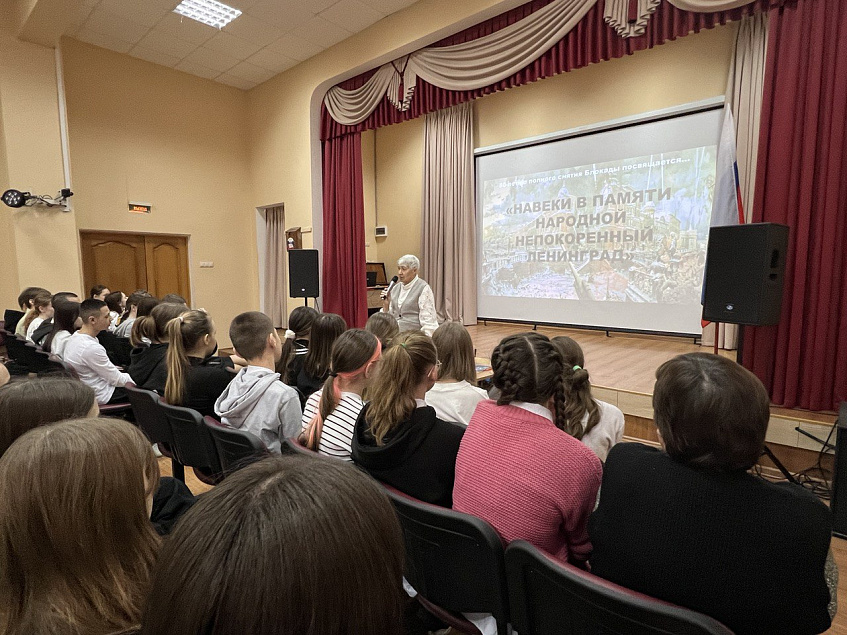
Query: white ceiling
269,37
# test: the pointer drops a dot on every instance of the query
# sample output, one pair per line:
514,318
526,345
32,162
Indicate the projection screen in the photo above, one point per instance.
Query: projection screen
603,227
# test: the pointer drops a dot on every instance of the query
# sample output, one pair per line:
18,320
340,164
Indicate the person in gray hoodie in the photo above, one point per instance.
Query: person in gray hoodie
256,401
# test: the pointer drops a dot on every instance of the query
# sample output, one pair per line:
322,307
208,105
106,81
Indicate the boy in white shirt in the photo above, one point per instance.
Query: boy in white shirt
87,357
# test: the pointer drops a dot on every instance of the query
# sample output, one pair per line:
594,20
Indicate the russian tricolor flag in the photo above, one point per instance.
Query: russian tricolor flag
727,208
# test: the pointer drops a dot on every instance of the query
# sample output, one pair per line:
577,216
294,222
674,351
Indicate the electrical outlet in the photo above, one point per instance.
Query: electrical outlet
206,264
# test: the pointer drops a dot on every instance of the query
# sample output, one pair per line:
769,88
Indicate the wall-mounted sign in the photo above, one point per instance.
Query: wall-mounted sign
140,208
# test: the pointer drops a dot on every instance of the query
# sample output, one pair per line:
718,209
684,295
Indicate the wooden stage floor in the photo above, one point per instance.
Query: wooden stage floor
620,361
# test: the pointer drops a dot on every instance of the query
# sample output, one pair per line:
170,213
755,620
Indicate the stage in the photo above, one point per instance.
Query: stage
622,368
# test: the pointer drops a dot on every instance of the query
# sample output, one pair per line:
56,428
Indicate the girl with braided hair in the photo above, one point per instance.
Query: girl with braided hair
600,423
519,466
399,439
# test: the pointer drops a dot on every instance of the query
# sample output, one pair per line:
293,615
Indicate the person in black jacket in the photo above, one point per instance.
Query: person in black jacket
690,525
398,438
195,378
148,366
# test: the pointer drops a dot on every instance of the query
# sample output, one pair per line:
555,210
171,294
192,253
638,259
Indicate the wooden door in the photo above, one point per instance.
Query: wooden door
118,261
167,266
126,262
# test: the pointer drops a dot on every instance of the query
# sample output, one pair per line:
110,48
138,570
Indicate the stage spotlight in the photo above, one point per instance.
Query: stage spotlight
16,198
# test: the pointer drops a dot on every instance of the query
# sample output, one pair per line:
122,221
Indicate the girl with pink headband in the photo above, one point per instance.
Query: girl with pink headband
329,417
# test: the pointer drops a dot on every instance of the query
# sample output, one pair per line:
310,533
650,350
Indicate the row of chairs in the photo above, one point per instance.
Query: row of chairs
458,564
210,448
28,357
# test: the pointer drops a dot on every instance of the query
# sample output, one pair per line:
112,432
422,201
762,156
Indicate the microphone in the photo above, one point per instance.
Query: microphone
385,293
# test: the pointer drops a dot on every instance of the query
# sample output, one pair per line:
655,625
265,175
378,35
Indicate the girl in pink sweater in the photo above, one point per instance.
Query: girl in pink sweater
519,467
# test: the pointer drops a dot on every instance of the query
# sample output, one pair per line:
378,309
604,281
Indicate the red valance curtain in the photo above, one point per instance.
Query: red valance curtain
590,42
800,182
344,278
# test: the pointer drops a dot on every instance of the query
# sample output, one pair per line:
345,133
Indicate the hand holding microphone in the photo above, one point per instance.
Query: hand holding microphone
385,292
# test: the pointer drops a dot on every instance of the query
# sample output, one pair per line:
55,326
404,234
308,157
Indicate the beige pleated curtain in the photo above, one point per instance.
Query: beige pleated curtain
744,97
275,257
448,250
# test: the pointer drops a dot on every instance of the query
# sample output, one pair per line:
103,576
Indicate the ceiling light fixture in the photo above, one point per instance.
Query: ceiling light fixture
208,12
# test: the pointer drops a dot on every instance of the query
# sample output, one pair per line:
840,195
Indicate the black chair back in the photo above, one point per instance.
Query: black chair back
548,597
192,442
150,417
11,317
31,357
236,448
453,560
117,348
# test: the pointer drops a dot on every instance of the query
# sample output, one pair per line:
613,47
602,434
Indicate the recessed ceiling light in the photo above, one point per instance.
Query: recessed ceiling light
208,12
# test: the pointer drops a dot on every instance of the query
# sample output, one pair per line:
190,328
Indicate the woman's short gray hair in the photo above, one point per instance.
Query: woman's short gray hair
409,261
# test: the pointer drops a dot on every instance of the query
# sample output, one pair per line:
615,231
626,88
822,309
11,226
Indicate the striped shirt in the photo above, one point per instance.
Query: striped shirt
337,434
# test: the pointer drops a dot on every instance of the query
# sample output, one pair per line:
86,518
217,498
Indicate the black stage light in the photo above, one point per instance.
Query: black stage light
15,198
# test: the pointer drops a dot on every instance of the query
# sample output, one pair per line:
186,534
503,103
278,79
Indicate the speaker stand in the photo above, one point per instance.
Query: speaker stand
766,451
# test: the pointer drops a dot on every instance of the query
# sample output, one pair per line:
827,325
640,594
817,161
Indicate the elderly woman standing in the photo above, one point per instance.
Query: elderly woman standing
412,304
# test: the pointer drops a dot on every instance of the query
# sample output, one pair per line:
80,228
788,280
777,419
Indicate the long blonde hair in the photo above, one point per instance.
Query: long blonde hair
183,334
404,366
76,543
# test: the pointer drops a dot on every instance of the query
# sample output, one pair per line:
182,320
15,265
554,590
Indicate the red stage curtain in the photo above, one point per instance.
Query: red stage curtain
591,41
801,182
344,279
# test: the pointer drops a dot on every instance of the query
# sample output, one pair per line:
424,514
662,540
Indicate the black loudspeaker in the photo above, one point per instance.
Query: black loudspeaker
303,278
745,267
839,476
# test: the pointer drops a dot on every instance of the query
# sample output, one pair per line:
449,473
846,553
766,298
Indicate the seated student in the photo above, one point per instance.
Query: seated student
455,395
296,343
399,439
76,546
195,377
330,562
65,323
174,298
329,418
99,292
518,468
46,327
148,366
325,330
711,536
28,404
12,319
88,359
116,301
384,326
124,328
42,309
601,424
255,400
145,308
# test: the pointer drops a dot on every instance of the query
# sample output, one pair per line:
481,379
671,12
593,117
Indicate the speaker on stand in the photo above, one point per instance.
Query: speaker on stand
303,274
745,271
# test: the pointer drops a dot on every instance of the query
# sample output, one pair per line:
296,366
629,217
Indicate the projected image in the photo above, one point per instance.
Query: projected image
632,230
